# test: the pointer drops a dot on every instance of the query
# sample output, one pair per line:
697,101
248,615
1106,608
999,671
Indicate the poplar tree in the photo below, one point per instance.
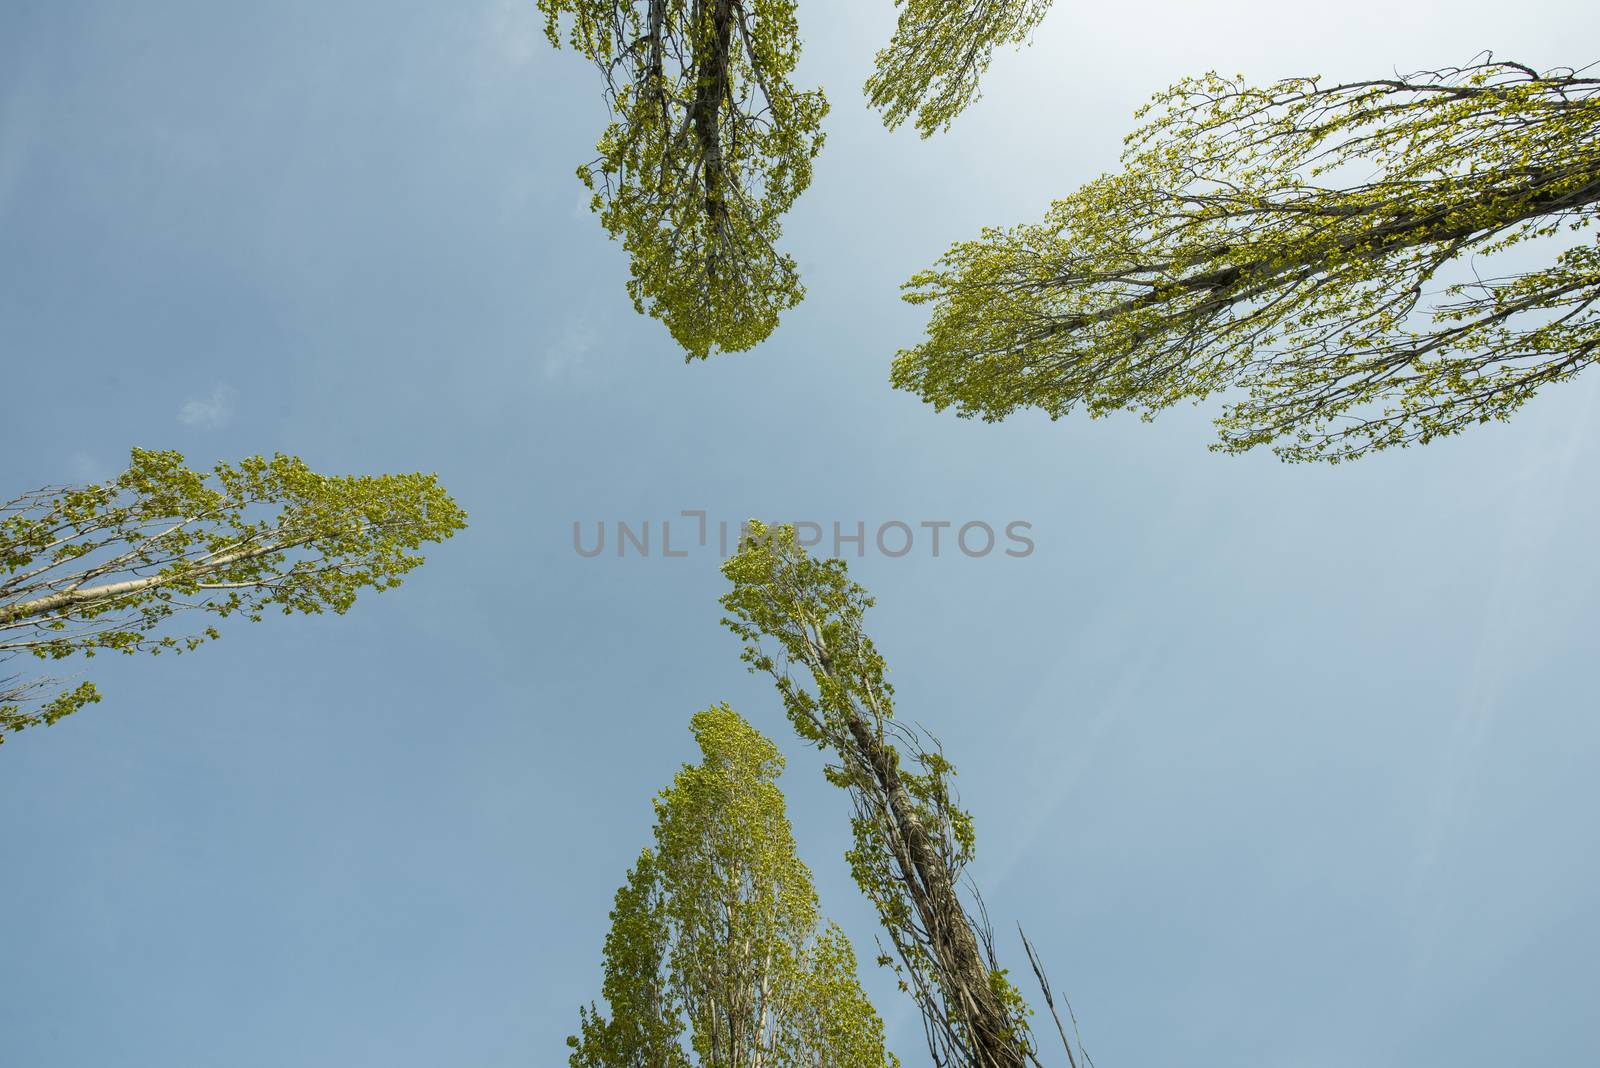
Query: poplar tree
110,567
708,147
1322,254
716,957
929,71
801,618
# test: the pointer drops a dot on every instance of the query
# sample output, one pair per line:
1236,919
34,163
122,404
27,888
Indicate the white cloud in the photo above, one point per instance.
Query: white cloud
20,120
569,350
209,413
516,31
86,467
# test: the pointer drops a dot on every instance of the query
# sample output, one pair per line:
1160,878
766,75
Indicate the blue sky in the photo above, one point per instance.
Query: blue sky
1286,766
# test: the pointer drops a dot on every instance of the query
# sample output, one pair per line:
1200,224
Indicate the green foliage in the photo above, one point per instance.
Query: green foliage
815,613
940,49
102,568
912,840
715,956
1229,255
710,144
644,1026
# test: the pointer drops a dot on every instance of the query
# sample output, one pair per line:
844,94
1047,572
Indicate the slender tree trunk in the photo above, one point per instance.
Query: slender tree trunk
940,909
72,598
938,905
711,89
1405,230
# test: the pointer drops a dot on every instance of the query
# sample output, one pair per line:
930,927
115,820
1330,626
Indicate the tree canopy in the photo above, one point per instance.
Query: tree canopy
929,71
1289,245
709,145
913,841
716,956
105,567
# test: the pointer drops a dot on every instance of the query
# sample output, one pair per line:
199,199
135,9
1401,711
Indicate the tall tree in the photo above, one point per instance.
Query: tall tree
913,841
1290,243
709,145
929,71
105,567
715,956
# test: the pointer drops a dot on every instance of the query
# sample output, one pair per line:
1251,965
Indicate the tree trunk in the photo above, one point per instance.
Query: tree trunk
713,56
940,909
